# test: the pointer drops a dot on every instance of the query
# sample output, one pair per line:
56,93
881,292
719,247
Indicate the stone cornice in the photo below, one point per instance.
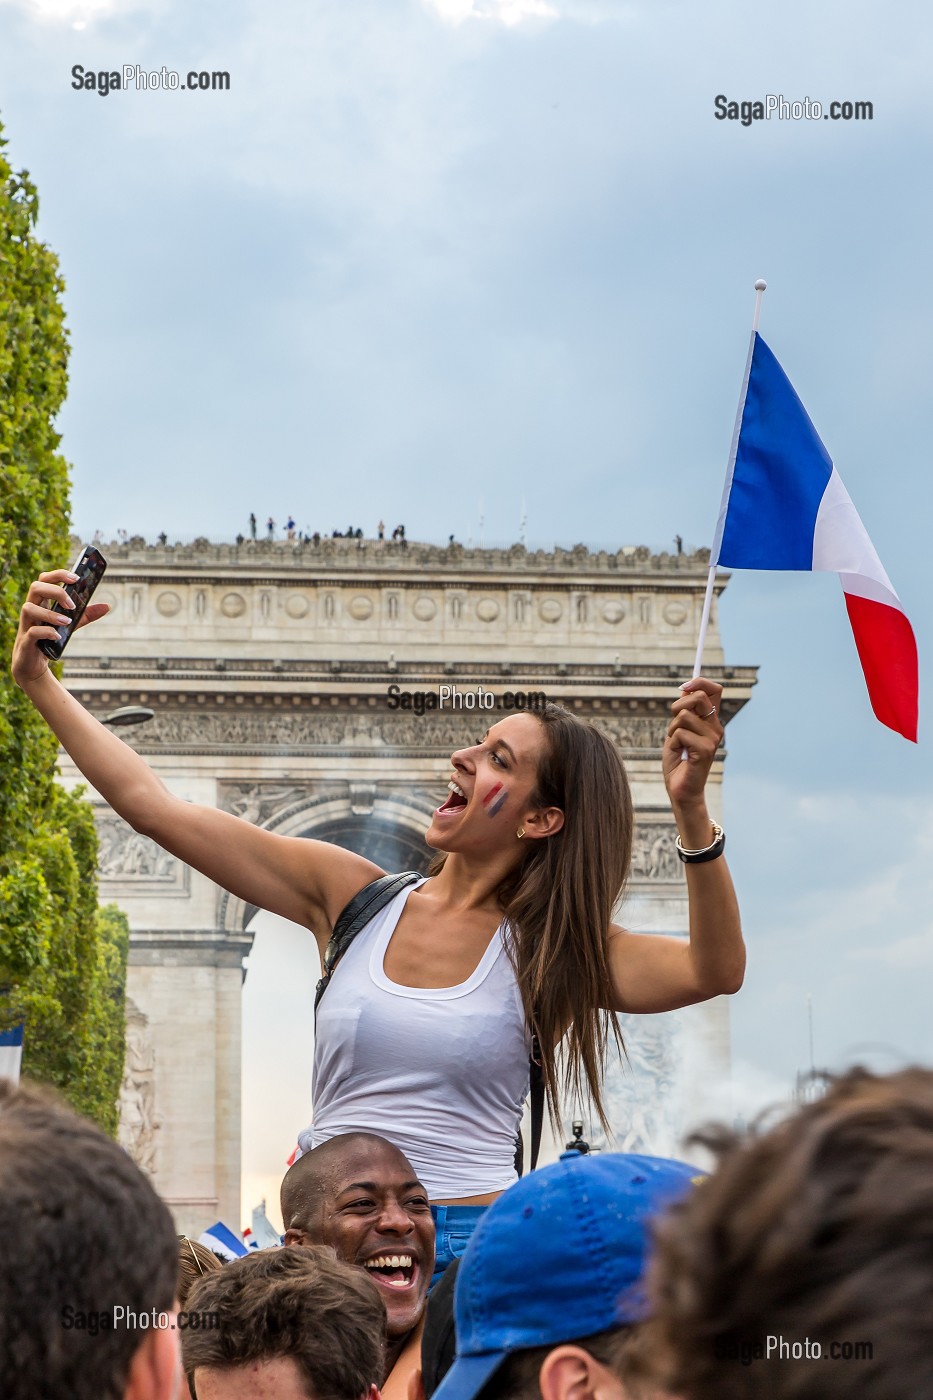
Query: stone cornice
171,672
350,730
271,562
188,947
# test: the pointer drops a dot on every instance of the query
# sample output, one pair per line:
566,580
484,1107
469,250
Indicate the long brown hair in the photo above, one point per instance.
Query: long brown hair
558,904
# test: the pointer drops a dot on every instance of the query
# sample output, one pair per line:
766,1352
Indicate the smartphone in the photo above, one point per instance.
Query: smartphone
89,566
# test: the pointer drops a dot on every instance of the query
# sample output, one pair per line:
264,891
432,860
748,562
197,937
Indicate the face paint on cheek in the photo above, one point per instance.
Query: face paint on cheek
495,800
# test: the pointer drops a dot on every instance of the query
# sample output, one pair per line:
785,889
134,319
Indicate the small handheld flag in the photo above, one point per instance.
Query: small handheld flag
784,507
223,1241
11,1052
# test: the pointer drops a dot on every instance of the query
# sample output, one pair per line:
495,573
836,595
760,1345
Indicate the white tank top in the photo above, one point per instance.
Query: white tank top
441,1072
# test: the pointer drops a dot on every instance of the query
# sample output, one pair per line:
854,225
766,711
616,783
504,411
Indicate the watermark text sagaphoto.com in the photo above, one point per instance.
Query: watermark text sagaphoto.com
132,78
119,1317
451,697
776,105
779,1348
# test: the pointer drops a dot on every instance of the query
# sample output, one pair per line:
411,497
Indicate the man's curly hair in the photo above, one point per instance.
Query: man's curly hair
819,1229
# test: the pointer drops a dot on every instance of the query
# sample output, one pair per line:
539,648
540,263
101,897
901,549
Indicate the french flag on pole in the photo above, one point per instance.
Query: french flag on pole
784,507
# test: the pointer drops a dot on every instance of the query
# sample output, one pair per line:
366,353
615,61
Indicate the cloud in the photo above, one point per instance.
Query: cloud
507,12
914,951
77,13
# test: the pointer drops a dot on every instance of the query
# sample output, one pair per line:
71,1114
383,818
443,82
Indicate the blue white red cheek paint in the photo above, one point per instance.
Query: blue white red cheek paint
495,800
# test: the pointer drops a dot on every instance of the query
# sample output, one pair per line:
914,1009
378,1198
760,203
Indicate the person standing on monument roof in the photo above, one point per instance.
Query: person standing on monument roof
425,1032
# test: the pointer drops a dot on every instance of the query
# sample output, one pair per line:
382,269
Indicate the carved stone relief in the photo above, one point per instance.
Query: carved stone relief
633,733
126,856
675,613
168,604
284,729
297,605
654,855
233,605
643,1095
258,803
139,1122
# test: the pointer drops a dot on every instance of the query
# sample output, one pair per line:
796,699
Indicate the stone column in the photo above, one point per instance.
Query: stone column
184,990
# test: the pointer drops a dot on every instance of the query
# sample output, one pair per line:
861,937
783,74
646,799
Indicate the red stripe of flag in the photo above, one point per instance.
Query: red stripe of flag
887,650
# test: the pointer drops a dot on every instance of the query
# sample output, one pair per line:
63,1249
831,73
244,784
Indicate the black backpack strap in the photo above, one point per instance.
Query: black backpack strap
537,1100
362,907
536,1095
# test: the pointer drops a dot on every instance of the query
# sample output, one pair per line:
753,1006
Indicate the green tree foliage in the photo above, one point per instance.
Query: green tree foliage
62,962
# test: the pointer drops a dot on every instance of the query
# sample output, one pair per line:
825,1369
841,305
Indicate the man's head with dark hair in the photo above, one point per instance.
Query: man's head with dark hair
816,1234
194,1261
297,1324
602,1359
549,1298
83,1233
360,1195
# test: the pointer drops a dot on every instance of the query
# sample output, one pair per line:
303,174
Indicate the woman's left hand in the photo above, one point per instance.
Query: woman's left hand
695,731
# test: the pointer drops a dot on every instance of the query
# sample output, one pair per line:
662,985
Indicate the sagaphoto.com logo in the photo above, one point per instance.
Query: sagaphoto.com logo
775,105
130,77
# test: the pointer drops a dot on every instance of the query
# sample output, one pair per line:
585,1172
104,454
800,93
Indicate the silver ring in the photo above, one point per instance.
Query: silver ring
711,712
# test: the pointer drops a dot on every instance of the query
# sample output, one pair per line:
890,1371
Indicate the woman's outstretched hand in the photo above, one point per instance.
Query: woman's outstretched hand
695,731
46,608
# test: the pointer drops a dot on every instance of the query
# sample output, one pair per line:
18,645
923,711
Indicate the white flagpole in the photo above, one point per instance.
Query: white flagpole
760,287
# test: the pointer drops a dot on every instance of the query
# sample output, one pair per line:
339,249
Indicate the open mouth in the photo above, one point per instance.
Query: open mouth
456,799
392,1270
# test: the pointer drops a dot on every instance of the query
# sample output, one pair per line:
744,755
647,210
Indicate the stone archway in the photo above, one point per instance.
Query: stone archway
388,831
278,674
378,841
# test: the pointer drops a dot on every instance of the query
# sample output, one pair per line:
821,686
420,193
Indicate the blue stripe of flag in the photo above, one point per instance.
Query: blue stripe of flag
779,477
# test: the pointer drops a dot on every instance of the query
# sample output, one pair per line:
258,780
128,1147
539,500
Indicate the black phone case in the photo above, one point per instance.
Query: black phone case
89,567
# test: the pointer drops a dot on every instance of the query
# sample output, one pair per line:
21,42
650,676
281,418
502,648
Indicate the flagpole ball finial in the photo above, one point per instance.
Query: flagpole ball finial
761,285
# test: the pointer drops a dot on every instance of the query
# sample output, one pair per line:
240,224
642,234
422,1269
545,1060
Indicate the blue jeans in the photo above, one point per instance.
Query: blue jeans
454,1226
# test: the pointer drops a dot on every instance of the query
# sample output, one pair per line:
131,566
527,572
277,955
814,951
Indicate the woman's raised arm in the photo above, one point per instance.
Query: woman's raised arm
308,882
651,972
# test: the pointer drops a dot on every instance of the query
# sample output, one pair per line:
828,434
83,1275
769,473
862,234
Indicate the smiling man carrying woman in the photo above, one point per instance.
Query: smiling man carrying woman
424,1035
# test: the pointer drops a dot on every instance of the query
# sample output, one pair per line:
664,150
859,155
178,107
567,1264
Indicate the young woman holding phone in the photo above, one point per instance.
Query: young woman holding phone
424,1034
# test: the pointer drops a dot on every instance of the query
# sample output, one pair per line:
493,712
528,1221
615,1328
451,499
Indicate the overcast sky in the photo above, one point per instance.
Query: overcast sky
427,259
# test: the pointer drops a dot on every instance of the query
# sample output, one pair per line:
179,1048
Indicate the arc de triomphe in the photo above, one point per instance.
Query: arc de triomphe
268,667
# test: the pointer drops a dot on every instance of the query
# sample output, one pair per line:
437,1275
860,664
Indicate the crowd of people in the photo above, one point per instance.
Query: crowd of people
307,536
446,999
800,1267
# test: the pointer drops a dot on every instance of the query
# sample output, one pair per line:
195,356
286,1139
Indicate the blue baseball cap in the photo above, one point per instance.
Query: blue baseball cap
558,1257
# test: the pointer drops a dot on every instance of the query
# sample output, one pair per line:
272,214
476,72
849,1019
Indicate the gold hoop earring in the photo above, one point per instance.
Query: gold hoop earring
520,832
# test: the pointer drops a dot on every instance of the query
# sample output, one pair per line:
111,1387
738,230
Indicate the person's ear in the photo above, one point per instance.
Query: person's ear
156,1371
294,1237
570,1373
543,821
